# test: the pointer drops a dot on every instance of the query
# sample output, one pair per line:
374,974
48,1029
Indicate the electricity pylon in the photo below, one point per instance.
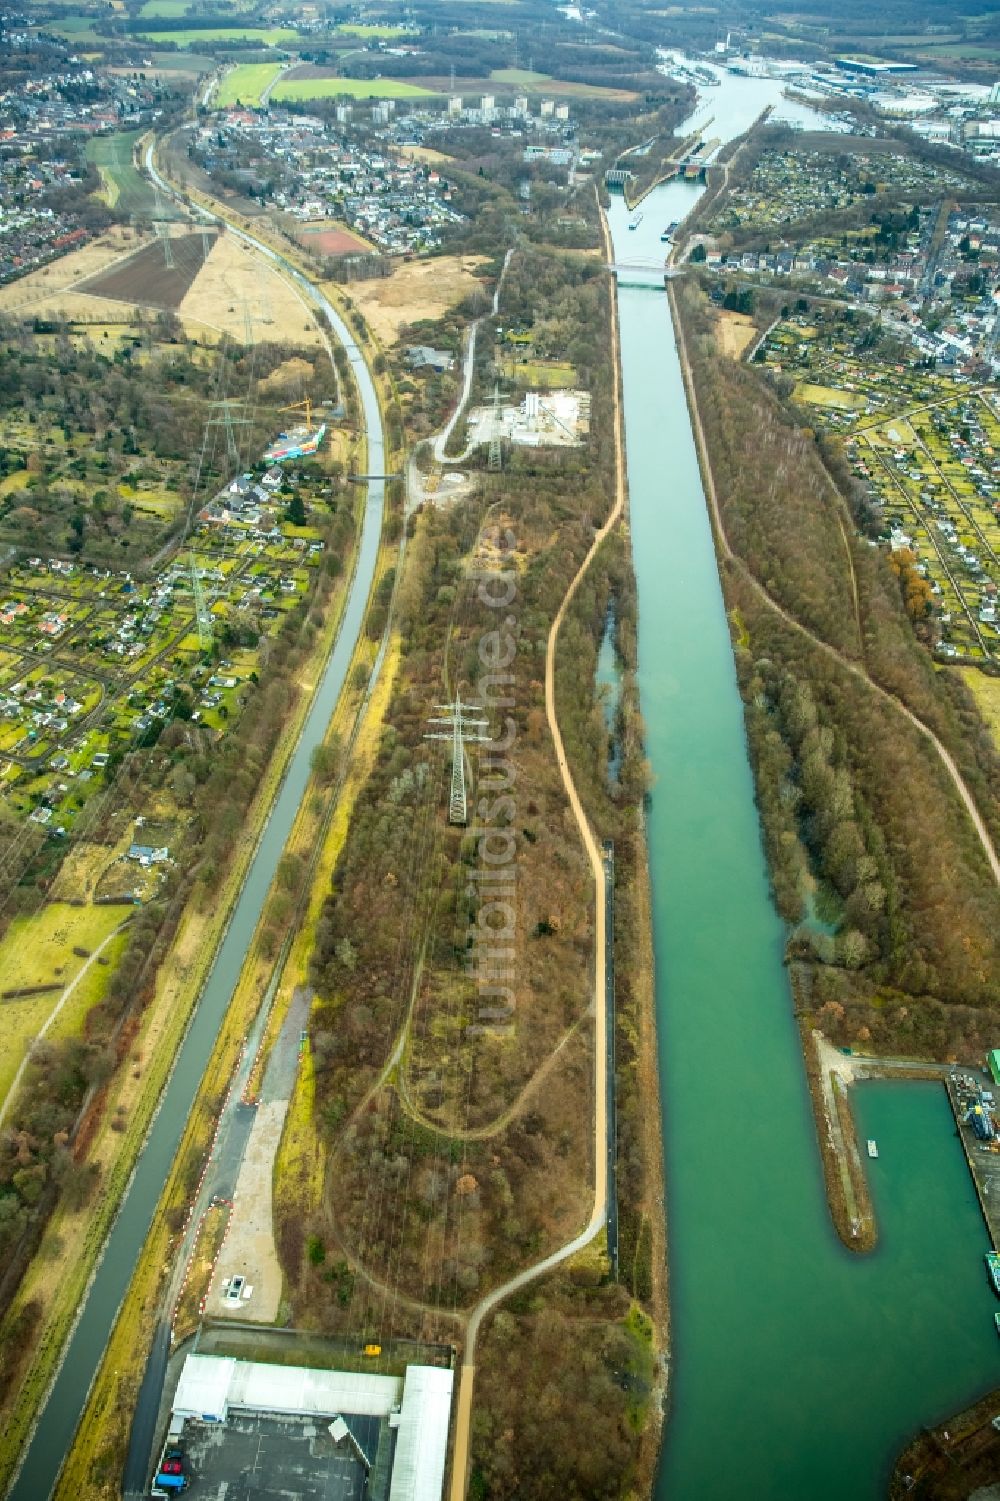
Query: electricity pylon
203,615
494,459
460,729
228,421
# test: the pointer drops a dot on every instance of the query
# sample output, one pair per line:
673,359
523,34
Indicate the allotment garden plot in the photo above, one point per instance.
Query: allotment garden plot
927,444
94,662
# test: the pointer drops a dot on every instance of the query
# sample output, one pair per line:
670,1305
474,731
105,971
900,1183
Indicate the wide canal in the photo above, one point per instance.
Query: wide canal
797,1368
57,1424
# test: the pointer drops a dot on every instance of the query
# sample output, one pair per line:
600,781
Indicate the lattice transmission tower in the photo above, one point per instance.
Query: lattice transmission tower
202,614
494,459
461,727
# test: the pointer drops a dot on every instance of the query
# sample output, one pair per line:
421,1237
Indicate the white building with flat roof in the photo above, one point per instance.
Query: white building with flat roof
417,1406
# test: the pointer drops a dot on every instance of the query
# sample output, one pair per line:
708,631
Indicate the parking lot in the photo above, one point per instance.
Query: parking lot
270,1459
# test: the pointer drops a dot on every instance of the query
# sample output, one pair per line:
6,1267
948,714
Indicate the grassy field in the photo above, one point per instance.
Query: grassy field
986,691
356,88
124,186
39,951
169,8
353,28
78,29
547,374
518,75
829,396
272,36
245,84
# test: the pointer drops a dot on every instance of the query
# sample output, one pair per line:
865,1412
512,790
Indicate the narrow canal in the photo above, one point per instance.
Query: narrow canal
59,1418
798,1369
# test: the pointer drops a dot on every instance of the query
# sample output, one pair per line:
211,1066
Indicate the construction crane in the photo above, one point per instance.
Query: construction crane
300,406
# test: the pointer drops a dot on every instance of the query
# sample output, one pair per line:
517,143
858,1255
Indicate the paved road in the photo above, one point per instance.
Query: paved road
140,1444
440,442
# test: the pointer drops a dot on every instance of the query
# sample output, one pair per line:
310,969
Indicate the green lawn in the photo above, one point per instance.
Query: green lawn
357,88
198,36
353,28
169,8
78,29
39,951
245,84
125,187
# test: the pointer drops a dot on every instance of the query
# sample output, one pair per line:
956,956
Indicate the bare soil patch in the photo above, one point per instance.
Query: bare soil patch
419,289
327,238
147,279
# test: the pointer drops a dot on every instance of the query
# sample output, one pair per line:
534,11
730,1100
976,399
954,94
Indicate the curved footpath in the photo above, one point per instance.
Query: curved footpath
463,1415
729,556
64,1403
441,440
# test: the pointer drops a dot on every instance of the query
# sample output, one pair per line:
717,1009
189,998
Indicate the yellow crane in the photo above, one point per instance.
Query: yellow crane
301,406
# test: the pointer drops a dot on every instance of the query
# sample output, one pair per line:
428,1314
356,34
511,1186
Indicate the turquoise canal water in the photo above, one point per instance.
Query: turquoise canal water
797,1368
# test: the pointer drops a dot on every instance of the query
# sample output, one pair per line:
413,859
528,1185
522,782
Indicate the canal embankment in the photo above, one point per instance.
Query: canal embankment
758,1276
97,1304
972,1094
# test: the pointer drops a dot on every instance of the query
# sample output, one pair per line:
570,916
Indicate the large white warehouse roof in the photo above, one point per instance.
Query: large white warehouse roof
212,1384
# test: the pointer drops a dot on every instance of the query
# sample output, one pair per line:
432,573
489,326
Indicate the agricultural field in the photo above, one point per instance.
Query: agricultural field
926,444
245,84
384,33
53,290
355,88
204,36
125,188
147,279
233,289
518,76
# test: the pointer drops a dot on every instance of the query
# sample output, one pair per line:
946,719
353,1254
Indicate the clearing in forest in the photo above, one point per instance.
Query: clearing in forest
734,331
418,290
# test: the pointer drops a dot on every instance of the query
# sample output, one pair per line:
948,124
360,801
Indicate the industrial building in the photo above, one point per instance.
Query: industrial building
310,1432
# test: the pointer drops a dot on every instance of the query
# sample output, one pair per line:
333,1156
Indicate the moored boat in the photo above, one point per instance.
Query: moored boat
993,1267
872,1147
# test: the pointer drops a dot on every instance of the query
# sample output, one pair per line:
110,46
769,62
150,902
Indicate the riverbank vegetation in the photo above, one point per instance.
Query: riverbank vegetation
452,1095
200,781
875,862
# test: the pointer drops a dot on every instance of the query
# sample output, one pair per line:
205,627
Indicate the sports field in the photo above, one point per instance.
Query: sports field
245,85
356,88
